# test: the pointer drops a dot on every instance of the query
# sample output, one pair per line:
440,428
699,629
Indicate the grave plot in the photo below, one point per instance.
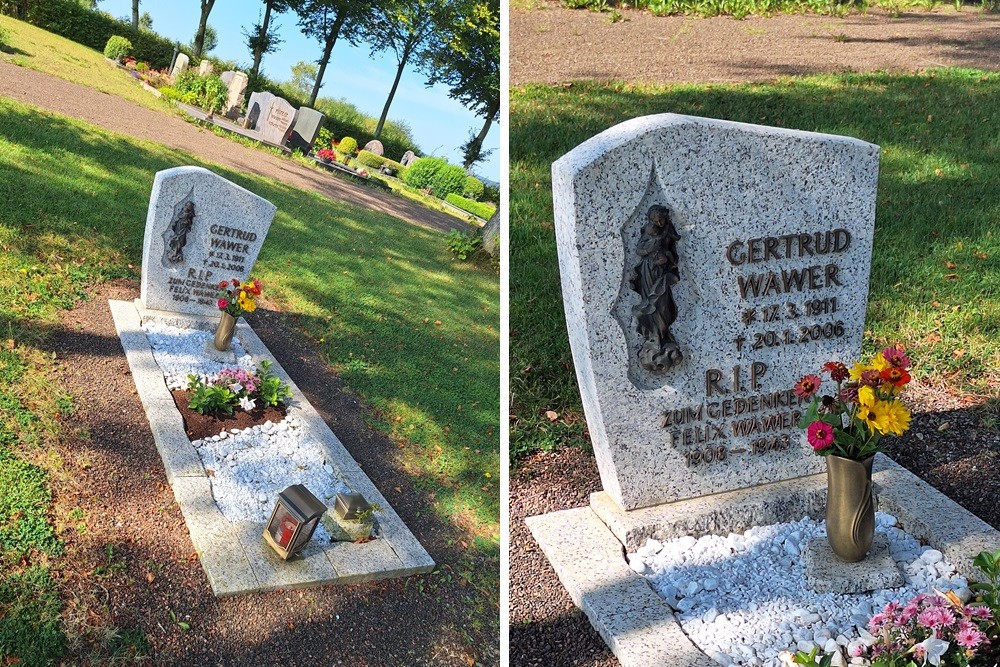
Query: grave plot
706,267
200,228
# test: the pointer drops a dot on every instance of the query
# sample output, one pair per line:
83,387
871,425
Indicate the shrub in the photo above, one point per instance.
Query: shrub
4,37
206,92
461,244
491,193
436,175
473,188
117,47
476,208
369,159
348,146
324,138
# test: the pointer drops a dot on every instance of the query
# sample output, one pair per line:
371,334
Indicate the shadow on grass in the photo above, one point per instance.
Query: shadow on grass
936,266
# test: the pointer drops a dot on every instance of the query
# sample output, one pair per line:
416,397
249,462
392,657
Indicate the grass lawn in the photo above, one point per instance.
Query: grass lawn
28,46
935,280
411,330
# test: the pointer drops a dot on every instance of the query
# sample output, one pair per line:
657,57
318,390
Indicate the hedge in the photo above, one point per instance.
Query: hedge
369,159
71,20
484,211
473,188
436,174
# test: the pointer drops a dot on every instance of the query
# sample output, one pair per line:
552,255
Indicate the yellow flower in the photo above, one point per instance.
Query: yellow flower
867,395
898,417
857,369
875,416
879,363
250,306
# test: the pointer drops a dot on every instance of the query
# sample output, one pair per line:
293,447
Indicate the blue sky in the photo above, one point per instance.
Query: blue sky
440,125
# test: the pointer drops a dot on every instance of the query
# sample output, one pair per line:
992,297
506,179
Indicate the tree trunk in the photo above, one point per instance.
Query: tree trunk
392,91
490,234
476,147
331,39
135,14
258,53
199,39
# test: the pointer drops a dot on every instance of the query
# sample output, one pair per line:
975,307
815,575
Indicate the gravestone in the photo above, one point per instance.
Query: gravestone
706,266
375,146
180,64
408,158
200,229
227,77
205,67
234,100
275,121
305,128
257,109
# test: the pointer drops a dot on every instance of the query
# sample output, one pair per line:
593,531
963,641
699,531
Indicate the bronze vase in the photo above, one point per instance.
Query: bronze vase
850,508
224,332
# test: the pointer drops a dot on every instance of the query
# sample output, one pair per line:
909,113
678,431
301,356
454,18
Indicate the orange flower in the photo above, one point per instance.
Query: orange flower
895,376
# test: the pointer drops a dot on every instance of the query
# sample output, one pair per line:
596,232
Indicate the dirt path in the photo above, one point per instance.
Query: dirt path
551,44
117,115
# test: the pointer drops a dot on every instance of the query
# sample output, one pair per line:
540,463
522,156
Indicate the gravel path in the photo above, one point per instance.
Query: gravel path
954,442
117,115
552,44
112,472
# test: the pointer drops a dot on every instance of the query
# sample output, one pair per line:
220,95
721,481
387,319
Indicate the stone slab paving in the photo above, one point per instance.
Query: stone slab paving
586,548
234,555
825,573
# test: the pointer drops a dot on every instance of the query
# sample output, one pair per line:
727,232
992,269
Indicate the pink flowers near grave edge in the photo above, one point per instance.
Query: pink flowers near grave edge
237,387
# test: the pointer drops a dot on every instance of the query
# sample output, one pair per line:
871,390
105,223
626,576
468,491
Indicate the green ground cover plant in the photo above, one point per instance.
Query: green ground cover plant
935,279
414,333
477,208
742,8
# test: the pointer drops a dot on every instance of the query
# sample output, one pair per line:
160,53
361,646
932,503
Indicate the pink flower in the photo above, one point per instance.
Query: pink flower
849,394
820,435
896,358
969,637
979,611
223,304
935,617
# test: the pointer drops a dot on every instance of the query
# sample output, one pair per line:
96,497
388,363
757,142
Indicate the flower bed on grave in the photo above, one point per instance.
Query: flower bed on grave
251,455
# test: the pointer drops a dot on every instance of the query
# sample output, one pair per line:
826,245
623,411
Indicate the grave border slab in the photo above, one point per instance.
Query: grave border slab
233,554
640,628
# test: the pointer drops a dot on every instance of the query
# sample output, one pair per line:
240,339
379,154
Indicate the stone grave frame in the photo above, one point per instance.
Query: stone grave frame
740,201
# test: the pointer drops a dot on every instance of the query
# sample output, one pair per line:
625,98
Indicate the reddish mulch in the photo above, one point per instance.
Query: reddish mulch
110,469
198,426
551,44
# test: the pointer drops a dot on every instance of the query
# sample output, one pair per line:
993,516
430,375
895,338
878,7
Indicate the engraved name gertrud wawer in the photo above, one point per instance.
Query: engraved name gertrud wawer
652,279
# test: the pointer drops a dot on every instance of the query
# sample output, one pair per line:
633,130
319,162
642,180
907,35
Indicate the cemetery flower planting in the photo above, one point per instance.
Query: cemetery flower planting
234,299
237,387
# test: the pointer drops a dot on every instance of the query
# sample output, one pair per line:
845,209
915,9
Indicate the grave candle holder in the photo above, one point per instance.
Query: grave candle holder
293,520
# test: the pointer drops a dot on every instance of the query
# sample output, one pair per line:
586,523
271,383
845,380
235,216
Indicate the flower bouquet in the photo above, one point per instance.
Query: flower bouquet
326,155
234,299
846,426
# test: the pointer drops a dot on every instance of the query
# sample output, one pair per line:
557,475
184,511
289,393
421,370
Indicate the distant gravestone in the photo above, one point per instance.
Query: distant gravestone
200,229
706,266
407,158
256,108
275,121
205,67
180,64
305,128
227,77
375,146
234,100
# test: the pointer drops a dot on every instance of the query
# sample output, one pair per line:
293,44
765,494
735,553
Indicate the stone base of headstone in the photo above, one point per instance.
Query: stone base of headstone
221,356
343,530
826,573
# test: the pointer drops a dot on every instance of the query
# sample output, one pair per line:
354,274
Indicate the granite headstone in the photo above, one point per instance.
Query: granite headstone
408,158
205,67
257,107
180,64
275,121
227,77
200,229
305,128
234,100
706,266
375,146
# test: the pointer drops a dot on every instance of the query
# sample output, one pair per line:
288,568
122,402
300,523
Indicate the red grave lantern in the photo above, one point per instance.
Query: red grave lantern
295,517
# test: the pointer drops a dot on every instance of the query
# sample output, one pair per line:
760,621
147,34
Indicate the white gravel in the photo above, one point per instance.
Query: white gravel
248,467
743,598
